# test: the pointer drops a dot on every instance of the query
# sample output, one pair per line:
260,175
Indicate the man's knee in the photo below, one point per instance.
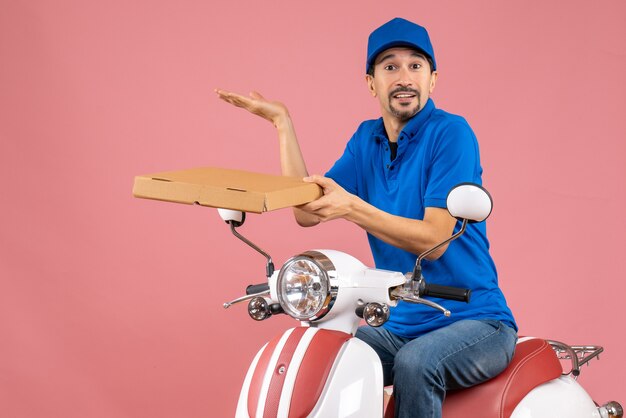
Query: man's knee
412,364
364,333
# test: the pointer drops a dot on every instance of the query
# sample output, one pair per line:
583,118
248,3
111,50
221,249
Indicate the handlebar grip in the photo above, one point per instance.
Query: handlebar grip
446,292
257,288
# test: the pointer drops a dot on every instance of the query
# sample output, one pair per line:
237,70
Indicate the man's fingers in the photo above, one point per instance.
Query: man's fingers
235,99
238,98
316,178
306,207
325,182
313,206
319,212
225,95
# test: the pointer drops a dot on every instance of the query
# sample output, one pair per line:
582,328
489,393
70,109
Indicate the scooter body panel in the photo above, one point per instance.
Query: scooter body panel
558,398
242,403
353,387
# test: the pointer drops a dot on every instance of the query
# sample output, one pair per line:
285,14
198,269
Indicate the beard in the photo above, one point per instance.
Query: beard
405,112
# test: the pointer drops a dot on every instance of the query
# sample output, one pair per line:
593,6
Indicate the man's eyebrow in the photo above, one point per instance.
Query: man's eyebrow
419,55
386,57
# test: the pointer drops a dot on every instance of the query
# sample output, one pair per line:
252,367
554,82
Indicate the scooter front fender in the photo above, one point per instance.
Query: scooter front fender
313,372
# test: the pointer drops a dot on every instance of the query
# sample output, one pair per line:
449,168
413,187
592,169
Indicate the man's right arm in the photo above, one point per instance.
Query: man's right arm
291,159
292,162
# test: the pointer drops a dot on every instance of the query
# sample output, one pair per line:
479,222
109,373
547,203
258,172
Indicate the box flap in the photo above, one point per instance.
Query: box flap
224,188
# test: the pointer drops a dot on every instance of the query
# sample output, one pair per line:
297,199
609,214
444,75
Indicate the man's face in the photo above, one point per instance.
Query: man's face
402,82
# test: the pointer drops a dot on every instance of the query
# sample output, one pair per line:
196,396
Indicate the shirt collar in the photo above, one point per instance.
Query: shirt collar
413,125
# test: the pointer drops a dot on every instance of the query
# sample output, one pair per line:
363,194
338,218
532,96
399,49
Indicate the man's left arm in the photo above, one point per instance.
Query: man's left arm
415,236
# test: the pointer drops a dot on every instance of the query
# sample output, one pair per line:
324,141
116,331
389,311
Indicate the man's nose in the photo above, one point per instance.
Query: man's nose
404,77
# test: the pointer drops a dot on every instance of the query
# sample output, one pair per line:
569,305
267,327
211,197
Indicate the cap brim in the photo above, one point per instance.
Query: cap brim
394,44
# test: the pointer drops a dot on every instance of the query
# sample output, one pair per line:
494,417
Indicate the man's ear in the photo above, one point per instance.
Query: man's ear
370,84
433,81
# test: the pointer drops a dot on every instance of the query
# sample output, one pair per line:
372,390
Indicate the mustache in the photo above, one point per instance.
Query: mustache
403,90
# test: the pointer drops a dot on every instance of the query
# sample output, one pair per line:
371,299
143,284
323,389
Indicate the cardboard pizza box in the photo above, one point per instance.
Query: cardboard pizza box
224,188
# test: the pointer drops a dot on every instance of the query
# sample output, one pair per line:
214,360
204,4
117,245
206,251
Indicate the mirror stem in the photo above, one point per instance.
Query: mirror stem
269,267
417,271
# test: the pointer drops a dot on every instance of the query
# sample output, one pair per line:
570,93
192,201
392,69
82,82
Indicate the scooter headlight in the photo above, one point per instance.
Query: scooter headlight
303,286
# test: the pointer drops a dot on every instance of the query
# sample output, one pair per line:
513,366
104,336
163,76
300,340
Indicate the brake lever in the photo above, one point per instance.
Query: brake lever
401,293
244,298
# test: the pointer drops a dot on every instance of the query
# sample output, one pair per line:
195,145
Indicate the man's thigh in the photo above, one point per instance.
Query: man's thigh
462,354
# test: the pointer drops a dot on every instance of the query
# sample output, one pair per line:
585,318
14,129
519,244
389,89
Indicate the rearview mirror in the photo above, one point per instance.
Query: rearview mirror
469,201
232,216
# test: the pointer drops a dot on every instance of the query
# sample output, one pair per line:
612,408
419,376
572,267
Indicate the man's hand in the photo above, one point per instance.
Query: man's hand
255,103
336,202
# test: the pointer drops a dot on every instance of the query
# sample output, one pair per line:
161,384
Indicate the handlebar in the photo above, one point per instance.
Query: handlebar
445,292
257,288
252,291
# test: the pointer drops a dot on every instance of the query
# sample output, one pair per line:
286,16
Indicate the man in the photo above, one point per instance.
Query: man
392,181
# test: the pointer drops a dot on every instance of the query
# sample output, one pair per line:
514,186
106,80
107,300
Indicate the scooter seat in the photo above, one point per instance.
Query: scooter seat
533,363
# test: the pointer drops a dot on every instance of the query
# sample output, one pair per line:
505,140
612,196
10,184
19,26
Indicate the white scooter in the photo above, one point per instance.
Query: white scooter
319,369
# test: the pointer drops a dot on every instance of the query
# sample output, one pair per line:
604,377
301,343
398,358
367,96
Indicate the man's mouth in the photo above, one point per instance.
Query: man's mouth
404,95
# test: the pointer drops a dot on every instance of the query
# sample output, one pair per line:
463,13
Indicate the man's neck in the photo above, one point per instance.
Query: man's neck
393,127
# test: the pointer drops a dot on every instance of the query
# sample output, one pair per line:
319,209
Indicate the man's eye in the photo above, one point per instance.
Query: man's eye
390,67
416,66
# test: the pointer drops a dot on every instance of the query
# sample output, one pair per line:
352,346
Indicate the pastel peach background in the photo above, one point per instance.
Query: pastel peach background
110,306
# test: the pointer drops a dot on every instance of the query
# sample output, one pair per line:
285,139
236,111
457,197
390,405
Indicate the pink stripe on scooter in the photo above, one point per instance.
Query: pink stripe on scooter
280,372
314,370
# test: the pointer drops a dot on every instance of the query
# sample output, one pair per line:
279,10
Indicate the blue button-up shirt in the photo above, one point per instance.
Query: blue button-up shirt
436,151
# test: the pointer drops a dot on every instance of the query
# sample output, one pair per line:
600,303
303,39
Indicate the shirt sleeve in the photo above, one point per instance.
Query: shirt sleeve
454,159
344,170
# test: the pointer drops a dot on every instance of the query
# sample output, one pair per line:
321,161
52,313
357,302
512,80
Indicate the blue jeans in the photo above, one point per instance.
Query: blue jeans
461,355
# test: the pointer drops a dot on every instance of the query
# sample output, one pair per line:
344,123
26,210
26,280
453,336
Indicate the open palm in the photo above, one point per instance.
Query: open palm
255,103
